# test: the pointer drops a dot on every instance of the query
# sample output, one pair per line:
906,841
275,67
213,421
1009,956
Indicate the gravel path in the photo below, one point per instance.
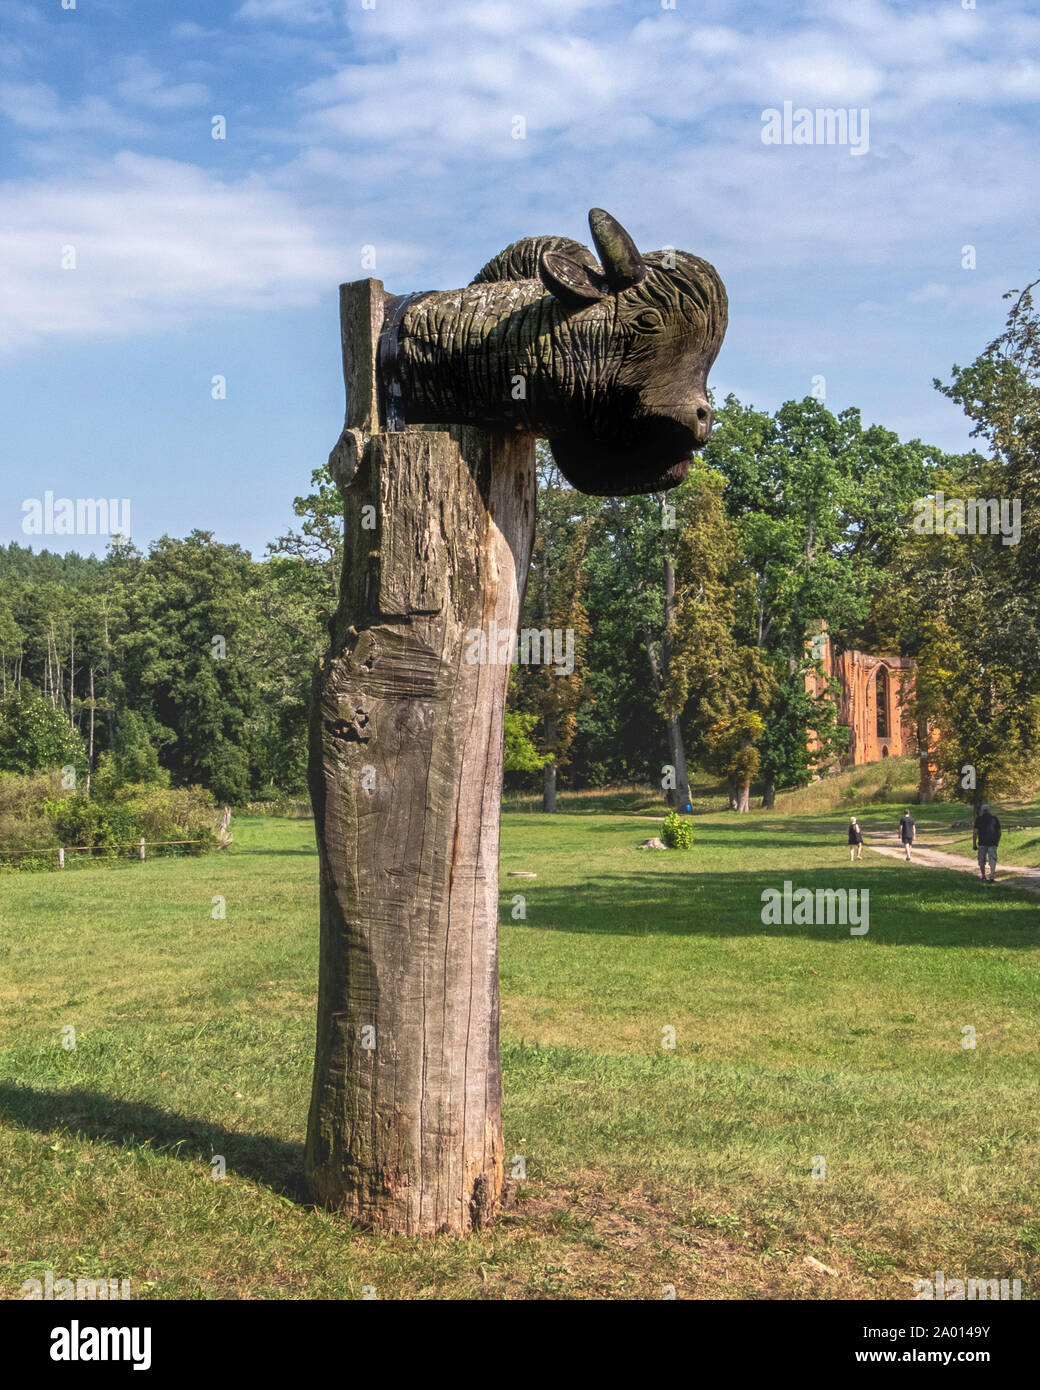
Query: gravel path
1012,874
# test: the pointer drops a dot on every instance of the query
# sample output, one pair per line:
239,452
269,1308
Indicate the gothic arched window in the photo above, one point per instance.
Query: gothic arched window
882,704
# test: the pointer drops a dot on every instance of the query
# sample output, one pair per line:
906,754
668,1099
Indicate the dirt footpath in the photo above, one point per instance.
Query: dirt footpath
1010,874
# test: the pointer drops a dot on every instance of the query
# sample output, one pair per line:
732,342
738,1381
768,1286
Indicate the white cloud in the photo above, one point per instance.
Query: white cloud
188,29
36,107
815,69
145,85
287,11
932,292
15,12
402,135
157,243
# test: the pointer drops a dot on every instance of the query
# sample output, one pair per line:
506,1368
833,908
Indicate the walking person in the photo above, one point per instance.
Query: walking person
855,839
907,831
985,837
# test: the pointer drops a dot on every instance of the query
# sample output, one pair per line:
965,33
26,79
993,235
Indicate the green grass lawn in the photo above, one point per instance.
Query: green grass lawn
645,1166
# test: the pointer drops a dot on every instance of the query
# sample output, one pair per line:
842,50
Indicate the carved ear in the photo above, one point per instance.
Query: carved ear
622,263
568,281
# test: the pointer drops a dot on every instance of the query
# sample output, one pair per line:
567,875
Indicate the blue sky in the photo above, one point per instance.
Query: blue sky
393,127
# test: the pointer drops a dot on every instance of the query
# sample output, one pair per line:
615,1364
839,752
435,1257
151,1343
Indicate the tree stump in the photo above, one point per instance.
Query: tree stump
405,1130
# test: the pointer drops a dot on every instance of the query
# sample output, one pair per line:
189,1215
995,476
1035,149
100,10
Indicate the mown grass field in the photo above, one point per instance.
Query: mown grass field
645,1166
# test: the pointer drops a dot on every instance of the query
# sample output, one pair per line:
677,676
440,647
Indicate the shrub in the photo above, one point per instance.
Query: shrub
28,864
24,819
171,813
281,804
36,813
34,735
77,820
132,760
677,833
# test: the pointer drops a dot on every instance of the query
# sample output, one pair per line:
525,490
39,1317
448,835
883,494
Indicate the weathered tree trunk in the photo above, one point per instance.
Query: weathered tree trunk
744,797
72,677
676,744
405,1130
549,771
549,789
769,797
680,797
925,782
90,739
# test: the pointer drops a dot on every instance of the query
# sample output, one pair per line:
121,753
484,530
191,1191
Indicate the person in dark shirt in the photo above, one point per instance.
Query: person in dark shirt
907,831
985,837
855,839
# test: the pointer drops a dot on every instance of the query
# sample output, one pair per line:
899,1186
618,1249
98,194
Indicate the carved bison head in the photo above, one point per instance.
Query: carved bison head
606,359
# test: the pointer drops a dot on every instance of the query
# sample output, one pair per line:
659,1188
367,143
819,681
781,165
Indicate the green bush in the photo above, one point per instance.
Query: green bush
24,820
280,804
34,735
678,832
171,813
28,864
77,820
36,813
132,760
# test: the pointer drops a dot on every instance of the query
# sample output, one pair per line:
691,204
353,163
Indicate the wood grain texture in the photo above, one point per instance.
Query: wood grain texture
608,362
405,1130
361,318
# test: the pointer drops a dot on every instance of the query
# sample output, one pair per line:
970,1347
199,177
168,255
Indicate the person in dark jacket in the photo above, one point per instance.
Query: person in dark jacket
985,837
907,831
855,839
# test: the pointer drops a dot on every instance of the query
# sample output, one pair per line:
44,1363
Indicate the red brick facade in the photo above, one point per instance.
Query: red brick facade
874,690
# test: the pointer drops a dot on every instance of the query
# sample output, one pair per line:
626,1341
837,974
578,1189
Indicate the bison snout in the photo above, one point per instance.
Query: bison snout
704,422
698,419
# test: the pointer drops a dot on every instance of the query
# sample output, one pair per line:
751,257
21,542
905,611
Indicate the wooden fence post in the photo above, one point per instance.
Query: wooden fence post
61,859
405,1129
140,848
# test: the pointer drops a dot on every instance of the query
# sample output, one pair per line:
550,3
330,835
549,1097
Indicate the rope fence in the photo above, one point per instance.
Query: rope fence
142,846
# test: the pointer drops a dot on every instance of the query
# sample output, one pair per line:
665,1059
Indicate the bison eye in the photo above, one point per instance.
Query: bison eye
649,320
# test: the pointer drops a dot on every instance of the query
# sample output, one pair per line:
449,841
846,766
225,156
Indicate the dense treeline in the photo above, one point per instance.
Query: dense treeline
680,620
193,656
695,605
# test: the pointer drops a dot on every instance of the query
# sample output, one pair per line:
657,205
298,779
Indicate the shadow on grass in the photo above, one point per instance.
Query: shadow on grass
717,828
933,907
96,1115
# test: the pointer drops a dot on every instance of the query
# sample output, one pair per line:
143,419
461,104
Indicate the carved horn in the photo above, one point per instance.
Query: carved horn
622,263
